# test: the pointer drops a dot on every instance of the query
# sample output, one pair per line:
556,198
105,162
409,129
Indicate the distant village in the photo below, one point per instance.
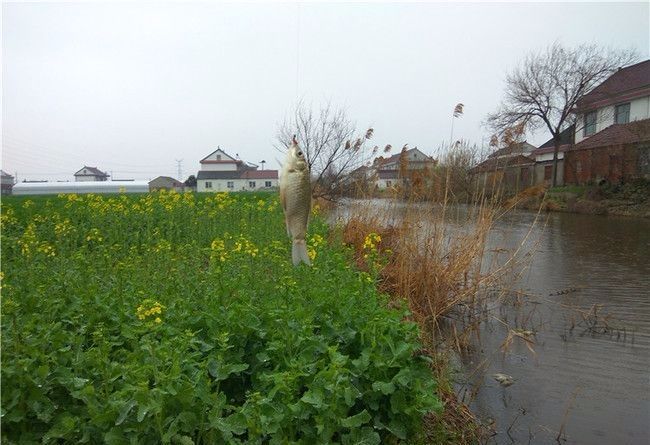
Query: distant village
610,142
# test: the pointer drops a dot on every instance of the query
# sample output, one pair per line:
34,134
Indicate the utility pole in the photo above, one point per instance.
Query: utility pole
179,163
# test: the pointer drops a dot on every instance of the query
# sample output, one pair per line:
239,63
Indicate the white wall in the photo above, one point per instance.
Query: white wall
84,178
639,109
221,167
383,183
548,157
221,185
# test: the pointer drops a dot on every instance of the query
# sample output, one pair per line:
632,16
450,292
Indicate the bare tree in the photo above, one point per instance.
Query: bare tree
544,90
330,142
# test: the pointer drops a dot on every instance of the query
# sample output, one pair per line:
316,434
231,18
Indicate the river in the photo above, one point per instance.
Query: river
587,379
593,375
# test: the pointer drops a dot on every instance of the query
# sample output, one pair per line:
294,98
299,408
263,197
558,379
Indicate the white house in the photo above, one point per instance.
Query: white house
623,97
221,172
387,171
90,174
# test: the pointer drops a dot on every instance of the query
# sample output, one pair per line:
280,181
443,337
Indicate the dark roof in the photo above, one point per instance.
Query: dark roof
513,149
218,175
566,137
631,79
493,164
617,134
259,174
176,182
396,157
94,171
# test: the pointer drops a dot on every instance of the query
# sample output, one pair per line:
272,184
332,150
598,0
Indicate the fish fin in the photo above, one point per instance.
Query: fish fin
299,252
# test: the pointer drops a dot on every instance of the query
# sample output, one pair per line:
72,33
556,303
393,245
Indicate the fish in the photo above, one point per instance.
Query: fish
295,197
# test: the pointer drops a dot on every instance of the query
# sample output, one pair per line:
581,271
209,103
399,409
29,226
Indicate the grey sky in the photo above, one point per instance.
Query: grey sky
129,88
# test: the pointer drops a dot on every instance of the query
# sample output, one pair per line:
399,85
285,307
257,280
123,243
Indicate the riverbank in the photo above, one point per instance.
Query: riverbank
631,199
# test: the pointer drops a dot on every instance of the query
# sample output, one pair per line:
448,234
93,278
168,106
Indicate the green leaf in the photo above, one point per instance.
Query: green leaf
362,436
221,371
183,440
142,412
351,394
384,387
356,420
115,437
313,398
235,423
213,368
397,428
64,425
126,408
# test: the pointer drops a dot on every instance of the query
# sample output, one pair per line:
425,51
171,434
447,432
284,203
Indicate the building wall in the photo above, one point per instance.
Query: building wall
219,167
386,183
167,184
84,178
548,157
221,185
615,164
543,172
639,109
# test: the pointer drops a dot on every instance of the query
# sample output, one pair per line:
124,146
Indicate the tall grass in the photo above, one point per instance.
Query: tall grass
434,259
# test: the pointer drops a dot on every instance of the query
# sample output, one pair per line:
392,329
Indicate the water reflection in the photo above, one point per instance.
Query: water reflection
591,387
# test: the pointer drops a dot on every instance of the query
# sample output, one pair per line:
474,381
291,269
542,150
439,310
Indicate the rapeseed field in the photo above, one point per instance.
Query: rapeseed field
178,318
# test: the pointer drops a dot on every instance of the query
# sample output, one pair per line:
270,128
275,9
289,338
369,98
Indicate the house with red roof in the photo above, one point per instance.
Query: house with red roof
612,132
220,172
512,167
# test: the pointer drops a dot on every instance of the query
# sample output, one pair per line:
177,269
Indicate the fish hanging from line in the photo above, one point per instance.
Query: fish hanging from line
295,196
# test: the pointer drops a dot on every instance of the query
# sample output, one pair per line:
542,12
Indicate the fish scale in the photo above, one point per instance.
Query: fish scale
295,195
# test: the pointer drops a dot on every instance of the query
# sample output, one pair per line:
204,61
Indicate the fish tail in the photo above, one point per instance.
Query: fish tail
299,252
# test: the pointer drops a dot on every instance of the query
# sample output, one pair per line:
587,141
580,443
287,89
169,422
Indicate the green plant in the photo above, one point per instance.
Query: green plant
169,318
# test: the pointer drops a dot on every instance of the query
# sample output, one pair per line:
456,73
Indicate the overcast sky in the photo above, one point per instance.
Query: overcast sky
131,88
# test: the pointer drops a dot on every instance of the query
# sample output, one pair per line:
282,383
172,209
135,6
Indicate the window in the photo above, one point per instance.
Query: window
548,172
208,184
590,123
218,157
622,115
267,184
389,183
251,184
230,184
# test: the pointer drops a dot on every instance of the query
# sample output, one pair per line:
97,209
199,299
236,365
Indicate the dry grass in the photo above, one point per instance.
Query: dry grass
434,261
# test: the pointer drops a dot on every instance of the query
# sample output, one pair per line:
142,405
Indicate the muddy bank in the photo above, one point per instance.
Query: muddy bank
622,200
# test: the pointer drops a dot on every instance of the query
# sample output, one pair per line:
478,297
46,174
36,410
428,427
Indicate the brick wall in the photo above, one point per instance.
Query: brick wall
614,163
